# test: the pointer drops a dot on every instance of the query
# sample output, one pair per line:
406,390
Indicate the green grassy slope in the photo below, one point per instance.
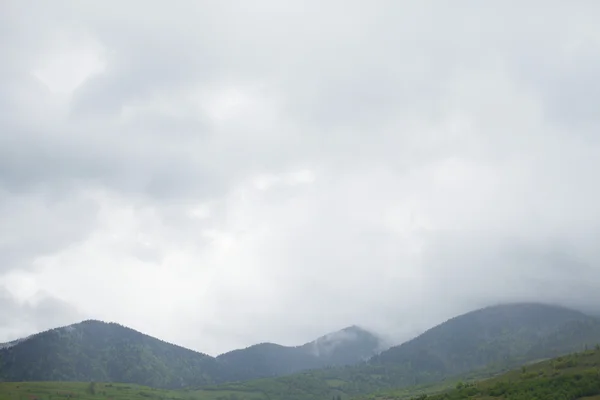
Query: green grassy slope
101,391
571,377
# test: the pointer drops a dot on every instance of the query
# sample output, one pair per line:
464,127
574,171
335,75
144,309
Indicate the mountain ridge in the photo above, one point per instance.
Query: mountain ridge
482,342
573,376
343,347
491,338
96,347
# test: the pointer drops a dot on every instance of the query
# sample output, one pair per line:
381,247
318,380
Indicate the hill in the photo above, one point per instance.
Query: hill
108,352
346,347
570,377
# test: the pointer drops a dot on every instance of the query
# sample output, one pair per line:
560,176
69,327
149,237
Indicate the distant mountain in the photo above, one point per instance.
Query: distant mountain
479,343
497,334
348,346
108,352
104,352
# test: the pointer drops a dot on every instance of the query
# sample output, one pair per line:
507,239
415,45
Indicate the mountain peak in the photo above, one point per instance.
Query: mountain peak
350,340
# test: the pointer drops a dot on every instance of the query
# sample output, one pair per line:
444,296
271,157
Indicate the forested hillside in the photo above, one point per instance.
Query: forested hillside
108,352
105,352
480,343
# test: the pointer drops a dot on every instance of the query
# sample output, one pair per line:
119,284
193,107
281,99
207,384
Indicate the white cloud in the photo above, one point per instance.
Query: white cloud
69,64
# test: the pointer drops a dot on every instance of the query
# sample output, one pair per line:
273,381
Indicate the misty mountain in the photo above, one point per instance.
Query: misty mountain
108,352
483,341
495,335
345,347
479,343
104,352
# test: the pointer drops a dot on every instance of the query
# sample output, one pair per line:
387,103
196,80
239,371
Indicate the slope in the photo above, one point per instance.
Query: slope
571,377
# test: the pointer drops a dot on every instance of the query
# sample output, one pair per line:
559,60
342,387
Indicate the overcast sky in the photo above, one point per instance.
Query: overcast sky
221,173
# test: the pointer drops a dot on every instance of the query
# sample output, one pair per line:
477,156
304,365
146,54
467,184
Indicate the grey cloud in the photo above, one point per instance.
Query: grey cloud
18,319
110,159
573,91
35,226
485,268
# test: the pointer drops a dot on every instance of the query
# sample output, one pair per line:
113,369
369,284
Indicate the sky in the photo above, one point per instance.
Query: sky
223,173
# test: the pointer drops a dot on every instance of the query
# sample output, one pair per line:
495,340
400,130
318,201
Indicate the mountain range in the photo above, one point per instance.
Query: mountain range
350,362
108,352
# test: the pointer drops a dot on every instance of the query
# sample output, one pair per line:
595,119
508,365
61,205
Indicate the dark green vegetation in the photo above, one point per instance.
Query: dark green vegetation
107,352
502,335
477,344
97,351
474,345
570,377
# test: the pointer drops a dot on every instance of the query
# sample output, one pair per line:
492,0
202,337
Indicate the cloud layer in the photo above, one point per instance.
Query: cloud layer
224,173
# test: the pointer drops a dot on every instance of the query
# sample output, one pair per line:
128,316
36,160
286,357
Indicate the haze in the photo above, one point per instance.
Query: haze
222,173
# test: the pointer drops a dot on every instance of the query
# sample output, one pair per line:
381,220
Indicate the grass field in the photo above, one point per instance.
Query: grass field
101,391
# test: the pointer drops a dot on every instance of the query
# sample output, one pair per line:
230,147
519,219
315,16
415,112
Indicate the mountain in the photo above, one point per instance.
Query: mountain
345,347
104,352
479,343
498,334
108,352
